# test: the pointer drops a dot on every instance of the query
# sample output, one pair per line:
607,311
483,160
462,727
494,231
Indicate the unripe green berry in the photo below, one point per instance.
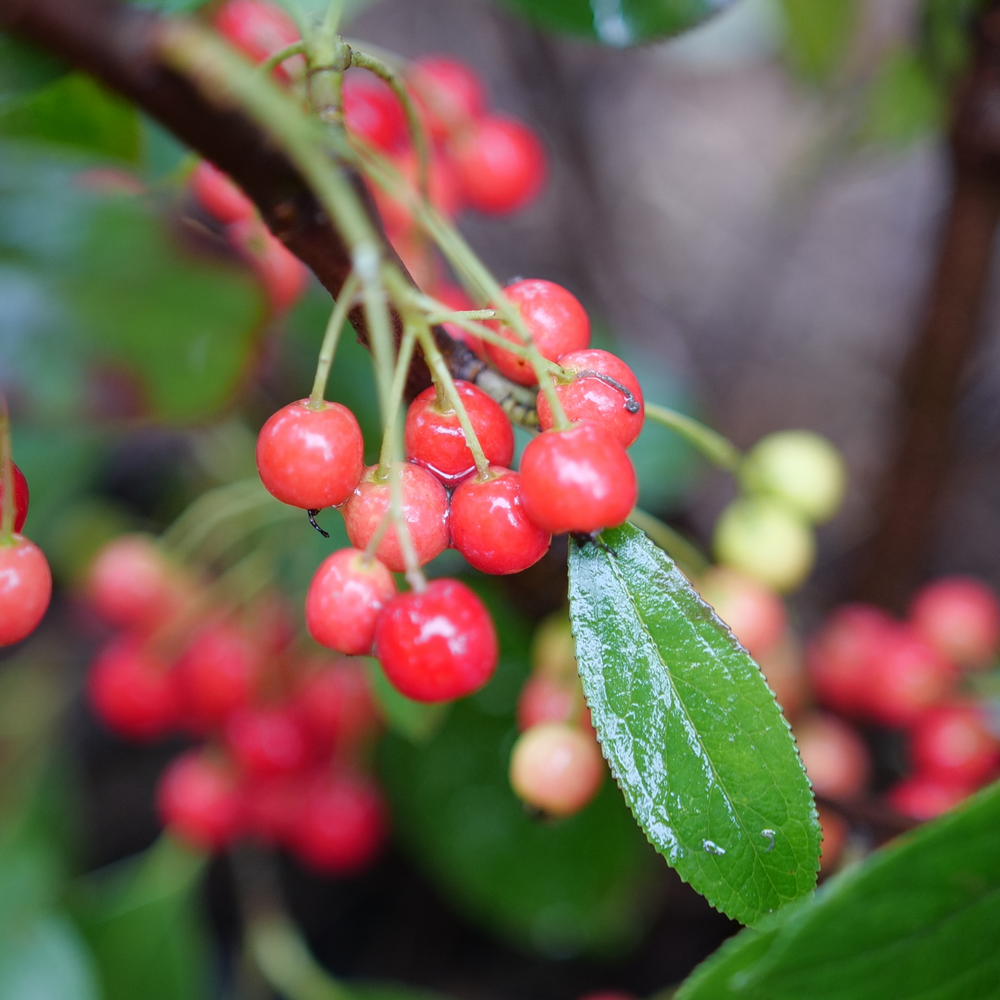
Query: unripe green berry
800,468
766,540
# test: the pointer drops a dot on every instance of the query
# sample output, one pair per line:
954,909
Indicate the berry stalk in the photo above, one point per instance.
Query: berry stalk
6,476
343,305
716,448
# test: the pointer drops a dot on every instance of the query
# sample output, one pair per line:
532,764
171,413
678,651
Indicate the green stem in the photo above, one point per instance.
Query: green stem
386,455
285,962
273,61
333,329
711,444
687,556
6,477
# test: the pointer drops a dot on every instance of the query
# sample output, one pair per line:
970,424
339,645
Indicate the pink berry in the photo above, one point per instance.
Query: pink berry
835,832
257,28
755,614
336,706
450,94
835,757
344,601
270,807
425,510
25,589
219,196
311,457
372,111
437,644
266,742
558,325
924,796
556,768
577,480
490,527
960,618
588,398
954,742
434,437
546,699
198,801
282,274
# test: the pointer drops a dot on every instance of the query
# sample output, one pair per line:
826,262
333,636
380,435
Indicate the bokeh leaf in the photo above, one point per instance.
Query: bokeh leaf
817,35
693,735
44,957
620,22
24,68
904,102
916,919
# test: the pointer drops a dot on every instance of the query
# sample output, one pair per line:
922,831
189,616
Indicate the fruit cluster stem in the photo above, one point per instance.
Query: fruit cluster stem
343,305
716,448
6,476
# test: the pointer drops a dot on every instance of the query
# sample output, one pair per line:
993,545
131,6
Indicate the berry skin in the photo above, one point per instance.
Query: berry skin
219,196
132,692
437,644
257,28
282,274
434,438
198,801
766,541
450,94
21,495
756,615
342,826
556,767
25,589
336,707
545,699
132,584
490,527
960,618
588,398
907,678
266,742
425,509
215,675
577,480
344,601
311,458
372,111
558,325
502,164
834,755
801,469
924,796
269,807
954,742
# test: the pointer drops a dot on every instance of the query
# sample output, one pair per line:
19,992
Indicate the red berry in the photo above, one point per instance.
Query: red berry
556,767
450,94
437,644
132,691
842,656
341,827
834,755
282,274
434,437
960,618
490,527
311,457
25,589
215,675
21,496
132,584
502,164
198,801
444,190
557,322
425,510
266,742
755,614
372,111
344,600
219,196
577,480
545,699
336,706
925,796
907,677
270,807
588,398
955,742
257,28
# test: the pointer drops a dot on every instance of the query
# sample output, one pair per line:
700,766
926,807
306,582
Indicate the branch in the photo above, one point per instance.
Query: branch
119,45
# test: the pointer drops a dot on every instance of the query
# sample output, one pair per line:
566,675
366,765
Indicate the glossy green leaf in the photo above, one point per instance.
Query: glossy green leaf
620,22
700,749
558,887
917,919
817,35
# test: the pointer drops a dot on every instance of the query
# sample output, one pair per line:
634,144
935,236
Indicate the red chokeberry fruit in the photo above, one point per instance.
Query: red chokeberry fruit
344,601
270,807
960,618
311,457
372,111
425,510
257,28
548,699
491,528
502,163
198,801
554,317
834,755
21,494
341,826
434,437
219,196
132,690
926,796
437,644
25,589
755,613
266,742
336,706
577,480
556,767
282,274
450,94
955,742
587,397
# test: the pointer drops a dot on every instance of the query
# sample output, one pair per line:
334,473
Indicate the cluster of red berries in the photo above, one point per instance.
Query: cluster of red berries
25,577
286,732
439,643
